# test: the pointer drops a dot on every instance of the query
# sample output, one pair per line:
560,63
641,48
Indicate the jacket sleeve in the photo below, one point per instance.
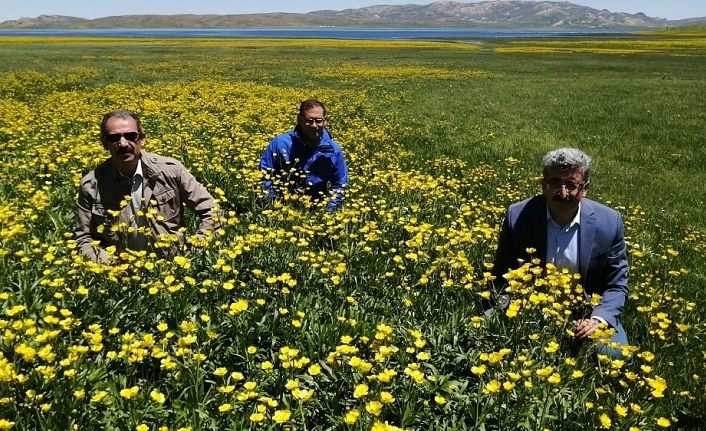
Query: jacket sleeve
82,228
339,182
267,165
505,256
198,199
616,279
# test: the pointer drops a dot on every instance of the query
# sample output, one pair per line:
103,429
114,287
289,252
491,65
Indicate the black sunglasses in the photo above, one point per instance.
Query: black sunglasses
129,136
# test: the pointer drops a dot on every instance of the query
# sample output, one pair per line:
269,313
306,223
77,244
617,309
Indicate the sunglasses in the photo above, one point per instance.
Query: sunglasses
114,138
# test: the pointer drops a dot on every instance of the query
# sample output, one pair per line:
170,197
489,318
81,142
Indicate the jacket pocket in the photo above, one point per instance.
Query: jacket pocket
168,204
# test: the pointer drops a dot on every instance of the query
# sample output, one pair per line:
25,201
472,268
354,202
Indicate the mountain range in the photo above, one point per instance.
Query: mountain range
495,14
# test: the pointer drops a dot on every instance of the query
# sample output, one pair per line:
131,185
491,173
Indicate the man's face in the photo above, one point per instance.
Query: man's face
312,123
563,189
123,142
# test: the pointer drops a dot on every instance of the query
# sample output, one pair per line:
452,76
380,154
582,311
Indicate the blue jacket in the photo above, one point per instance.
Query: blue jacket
603,262
322,171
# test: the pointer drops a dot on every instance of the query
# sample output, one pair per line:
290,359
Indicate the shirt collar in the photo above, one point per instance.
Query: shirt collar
129,181
575,222
138,171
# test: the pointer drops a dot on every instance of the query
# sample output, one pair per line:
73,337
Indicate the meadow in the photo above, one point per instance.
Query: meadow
369,317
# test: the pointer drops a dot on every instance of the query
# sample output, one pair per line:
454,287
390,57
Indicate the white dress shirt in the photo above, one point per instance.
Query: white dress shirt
563,245
563,242
137,241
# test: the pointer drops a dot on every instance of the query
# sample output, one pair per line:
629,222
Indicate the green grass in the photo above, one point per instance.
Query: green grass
429,130
641,116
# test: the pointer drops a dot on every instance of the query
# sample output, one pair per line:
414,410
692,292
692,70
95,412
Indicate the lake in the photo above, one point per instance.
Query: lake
317,33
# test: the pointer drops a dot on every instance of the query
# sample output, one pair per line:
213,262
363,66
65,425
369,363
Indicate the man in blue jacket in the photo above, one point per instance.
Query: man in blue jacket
571,232
306,160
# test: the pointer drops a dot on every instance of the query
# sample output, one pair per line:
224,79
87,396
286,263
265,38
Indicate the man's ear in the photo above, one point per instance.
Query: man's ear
584,190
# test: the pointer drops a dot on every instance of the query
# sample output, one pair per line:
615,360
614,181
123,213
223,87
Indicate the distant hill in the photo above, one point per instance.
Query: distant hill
497,14
44,21
501,13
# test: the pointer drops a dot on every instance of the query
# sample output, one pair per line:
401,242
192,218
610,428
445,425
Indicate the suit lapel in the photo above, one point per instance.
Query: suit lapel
534,231
587,230
540,233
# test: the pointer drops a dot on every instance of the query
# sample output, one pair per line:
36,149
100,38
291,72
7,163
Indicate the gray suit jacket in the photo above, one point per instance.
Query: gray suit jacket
602,253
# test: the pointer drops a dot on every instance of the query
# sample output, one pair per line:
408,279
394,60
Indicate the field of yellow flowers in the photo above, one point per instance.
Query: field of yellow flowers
292,317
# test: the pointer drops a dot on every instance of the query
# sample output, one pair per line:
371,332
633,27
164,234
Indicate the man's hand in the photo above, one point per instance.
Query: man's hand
585,327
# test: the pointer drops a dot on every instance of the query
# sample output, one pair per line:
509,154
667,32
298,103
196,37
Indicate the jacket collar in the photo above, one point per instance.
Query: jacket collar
539,219
152,175
148,165
587,231
324,143
147,161
122,178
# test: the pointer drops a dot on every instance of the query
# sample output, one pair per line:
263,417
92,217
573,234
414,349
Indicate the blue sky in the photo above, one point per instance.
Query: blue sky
13,9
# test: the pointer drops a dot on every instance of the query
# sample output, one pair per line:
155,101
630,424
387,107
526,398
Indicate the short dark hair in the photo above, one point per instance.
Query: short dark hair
311,103
120,113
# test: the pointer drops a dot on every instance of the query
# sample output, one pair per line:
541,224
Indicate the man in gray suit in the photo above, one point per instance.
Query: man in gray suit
574,233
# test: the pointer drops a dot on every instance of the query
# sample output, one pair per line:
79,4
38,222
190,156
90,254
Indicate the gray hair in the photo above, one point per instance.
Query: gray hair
568,158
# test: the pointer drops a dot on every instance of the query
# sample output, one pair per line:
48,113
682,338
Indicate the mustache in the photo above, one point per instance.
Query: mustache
560,199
